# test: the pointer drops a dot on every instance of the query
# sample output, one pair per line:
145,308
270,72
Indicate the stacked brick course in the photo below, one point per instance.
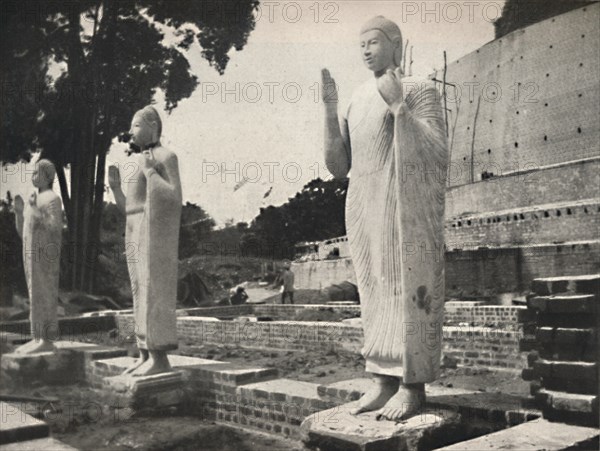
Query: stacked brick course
564,318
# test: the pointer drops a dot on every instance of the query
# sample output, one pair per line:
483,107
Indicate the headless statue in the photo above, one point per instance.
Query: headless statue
393,137
153,210
40,227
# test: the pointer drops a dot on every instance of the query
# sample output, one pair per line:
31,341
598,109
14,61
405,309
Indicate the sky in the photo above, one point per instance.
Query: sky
263,119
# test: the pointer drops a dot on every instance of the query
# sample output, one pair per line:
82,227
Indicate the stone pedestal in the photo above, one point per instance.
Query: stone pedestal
65,365
337,429
142,393
17,426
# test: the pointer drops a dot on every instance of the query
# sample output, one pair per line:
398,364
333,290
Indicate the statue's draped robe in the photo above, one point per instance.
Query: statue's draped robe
42,234
152,257
395,227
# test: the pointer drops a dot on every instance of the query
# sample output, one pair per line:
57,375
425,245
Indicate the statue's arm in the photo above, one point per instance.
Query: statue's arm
337,153
114,181
337,148
19,222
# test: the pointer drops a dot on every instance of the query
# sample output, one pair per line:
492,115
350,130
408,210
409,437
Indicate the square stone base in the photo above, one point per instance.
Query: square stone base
144,392
337,429
17,426
64,365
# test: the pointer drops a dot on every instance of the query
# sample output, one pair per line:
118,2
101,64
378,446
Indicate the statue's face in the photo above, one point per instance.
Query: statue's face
141,131
377,50
41,176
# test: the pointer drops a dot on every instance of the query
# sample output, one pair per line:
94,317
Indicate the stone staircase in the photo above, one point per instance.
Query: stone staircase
564,343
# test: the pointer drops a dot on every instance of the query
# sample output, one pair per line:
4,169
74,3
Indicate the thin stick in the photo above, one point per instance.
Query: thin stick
404,57
410,63
445,100
473,140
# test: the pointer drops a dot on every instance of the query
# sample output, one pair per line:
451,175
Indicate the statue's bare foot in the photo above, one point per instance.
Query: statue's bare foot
382,390
157,363
36,346
138,362
408,401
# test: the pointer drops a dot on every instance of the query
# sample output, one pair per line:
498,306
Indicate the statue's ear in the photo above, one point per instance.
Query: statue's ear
397,41
155,136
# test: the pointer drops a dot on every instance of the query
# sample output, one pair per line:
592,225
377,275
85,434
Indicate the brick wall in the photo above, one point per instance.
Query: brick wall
534,98
538,225
502,269
513,269
474,335
561,184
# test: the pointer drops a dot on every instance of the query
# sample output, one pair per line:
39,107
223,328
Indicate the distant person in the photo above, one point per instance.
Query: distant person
287,278
239,296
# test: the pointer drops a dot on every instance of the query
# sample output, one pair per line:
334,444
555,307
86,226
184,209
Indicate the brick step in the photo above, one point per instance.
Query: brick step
570,336
568,407
210,386
561,369
560,343
565,303
533,436
470,404
570,284
568,320
277,406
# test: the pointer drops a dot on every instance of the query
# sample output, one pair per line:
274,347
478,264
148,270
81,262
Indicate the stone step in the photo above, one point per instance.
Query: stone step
569,320
561,369
572,284
568,336
569,402
569,344
565,303
209,385
48,443
17,426
533,436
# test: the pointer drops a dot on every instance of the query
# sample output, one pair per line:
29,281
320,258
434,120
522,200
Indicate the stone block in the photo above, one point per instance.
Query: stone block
17,426
48,443
569,303
144,392
589,284
533,436
63,366
337,429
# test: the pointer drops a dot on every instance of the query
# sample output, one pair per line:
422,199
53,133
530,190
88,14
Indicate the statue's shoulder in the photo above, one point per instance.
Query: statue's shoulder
48,196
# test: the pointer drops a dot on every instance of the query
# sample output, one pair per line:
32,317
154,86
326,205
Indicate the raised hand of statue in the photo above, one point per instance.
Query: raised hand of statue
390,88
19,204
33,199
114,177
147,160
329,92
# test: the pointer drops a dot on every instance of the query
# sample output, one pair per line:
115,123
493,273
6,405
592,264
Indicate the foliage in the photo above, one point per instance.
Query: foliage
112,57
195,224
